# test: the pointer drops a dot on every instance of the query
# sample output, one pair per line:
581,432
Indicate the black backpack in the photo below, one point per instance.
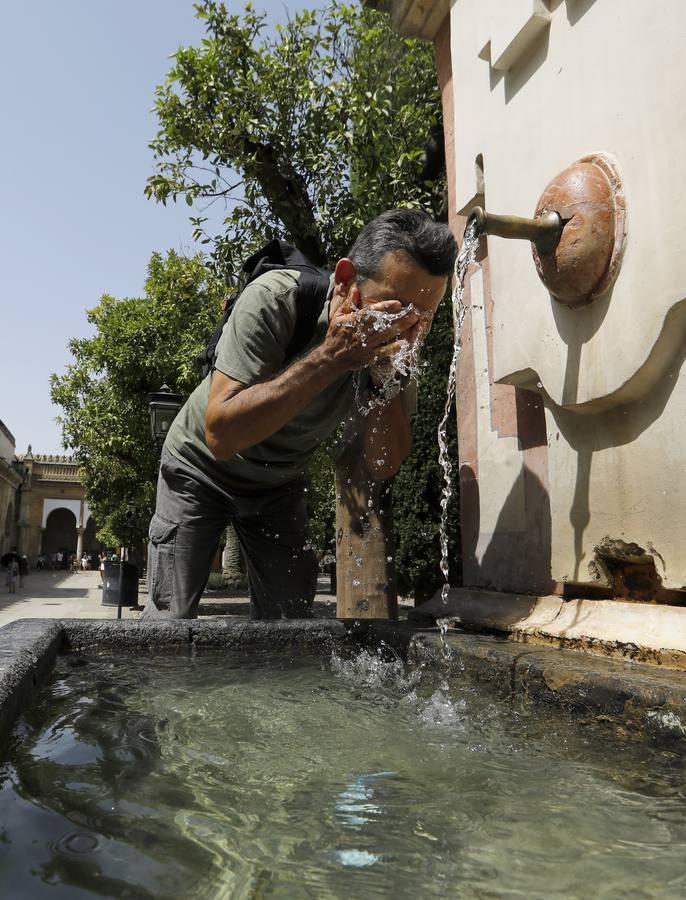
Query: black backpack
313,286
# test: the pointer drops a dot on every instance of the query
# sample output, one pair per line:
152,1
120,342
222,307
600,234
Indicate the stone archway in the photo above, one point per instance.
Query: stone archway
60,532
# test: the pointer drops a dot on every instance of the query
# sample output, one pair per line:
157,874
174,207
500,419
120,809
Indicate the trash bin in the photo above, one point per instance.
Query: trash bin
110,587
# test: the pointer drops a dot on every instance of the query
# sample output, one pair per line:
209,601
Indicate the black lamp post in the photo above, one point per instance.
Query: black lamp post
163,405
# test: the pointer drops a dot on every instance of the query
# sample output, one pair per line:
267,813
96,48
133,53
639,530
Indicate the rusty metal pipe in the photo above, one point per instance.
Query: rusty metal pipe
544,231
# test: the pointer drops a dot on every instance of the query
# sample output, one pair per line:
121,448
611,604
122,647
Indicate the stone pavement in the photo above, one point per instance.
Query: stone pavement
56,595
59,595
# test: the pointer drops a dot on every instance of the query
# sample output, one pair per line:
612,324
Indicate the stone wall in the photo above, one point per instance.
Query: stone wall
10,479
570,419
42,505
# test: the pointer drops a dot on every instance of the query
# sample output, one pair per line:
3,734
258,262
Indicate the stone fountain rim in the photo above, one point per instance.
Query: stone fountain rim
636,699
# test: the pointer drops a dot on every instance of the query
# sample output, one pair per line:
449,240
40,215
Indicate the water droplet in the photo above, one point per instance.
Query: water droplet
78,843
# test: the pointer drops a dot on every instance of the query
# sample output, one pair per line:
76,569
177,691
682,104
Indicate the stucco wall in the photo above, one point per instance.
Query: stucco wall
570,420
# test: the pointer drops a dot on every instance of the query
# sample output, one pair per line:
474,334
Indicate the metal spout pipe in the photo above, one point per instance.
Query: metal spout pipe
544,231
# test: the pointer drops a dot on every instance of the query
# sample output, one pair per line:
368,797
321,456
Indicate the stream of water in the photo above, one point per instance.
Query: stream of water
405,364
464,260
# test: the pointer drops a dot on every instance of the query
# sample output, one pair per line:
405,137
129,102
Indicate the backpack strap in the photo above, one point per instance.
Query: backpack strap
313,287
206,357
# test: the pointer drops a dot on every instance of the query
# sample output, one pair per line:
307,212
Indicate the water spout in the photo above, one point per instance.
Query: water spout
544,231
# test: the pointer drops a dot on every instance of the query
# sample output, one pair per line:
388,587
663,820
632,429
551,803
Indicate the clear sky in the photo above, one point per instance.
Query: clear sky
77,80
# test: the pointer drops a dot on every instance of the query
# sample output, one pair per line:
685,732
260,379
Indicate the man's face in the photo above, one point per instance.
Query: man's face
403,280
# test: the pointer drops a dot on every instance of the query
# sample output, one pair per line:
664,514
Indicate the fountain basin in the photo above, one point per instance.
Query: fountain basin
29,648
281,758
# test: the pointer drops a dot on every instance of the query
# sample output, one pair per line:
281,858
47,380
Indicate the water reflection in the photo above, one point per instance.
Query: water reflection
249,776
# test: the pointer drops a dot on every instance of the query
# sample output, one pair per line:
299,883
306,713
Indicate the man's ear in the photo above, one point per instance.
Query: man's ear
344,276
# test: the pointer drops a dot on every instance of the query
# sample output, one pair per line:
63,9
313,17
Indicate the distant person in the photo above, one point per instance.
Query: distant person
102,560
73,564
84,562
10,561
12,573
23,569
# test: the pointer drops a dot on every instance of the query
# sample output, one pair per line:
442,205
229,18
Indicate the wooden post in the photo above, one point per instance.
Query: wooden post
365,572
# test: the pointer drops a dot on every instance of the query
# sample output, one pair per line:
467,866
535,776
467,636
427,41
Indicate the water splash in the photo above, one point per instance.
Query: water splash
375,671
387,680
464,260
404,363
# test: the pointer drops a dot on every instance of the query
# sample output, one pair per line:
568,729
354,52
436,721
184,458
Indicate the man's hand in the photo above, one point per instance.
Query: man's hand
354,339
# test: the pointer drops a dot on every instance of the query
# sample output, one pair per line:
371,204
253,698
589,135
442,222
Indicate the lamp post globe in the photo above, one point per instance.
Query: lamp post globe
163,405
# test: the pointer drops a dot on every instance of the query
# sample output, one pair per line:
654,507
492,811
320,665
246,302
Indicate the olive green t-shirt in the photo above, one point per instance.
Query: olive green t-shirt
252,348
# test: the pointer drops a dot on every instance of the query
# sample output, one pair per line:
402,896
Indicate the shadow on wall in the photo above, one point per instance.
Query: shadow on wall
589,433
517,561
575,331
577,8
521,72
518,75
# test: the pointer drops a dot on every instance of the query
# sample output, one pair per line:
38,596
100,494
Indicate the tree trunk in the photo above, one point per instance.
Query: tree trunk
288,198
233,567
365,572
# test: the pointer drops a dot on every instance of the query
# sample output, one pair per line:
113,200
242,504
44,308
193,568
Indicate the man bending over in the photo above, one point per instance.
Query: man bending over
239,448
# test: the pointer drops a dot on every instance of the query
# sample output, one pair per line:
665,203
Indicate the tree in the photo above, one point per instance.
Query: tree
139,343
307,133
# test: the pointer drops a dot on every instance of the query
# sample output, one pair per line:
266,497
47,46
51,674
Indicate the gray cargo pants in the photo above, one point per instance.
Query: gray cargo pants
190,517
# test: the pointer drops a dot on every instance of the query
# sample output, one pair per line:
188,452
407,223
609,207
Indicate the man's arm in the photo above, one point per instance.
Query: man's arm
239,416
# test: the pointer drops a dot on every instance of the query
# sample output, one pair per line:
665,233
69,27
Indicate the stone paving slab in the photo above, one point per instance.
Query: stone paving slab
58,595
54,595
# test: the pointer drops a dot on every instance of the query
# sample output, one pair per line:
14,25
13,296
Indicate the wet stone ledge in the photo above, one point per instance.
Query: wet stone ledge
27,652
170,636
634,698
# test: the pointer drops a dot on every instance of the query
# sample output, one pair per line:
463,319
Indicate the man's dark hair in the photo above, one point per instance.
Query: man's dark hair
430,244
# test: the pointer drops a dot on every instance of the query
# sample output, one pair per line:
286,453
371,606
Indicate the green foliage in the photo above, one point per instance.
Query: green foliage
321,502
217,582
139,343
307,132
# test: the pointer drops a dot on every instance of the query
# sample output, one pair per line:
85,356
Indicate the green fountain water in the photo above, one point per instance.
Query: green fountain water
245,776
